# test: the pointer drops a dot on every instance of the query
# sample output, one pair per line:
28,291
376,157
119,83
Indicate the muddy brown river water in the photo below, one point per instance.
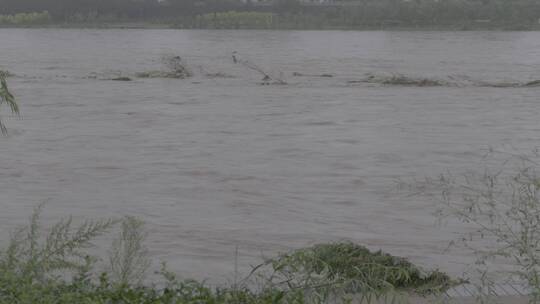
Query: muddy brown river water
215,163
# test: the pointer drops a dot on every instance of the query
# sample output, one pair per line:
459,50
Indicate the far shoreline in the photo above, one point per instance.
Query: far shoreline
170,26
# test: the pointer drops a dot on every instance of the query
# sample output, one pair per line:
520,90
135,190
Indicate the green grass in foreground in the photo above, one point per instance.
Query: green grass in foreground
54,267
360,270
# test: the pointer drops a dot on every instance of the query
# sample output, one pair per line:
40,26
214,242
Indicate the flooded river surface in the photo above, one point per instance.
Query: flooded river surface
219,161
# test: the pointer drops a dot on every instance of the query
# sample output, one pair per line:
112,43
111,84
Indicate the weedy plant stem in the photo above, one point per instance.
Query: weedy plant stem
502,206
6,98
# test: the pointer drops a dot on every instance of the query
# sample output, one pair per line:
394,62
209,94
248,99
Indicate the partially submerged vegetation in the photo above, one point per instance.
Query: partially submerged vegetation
399,79
267,79
161,74
175,67
298,74
121,78
346,268
528,84
57,268
396,79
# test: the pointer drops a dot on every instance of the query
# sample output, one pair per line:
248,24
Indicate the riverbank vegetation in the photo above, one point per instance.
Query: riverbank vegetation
500,204
52,265
26,19
278,14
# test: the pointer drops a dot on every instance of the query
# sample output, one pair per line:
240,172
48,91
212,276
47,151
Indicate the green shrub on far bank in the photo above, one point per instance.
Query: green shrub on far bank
228,20
332,17
26,19
258,20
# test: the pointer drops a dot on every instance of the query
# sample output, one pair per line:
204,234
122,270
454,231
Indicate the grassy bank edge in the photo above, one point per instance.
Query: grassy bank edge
52,265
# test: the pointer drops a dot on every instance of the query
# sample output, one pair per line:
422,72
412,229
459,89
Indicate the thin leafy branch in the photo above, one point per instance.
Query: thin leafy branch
501,205
36,258
6,98
129,257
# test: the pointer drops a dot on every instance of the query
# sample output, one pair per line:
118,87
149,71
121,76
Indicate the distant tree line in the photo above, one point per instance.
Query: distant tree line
289,13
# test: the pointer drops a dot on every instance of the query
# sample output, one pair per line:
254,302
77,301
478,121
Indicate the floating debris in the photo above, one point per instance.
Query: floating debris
214,74
534,83
297,74
267,78
92,75
160,74
500,84
424,82
121,78
218,75
107,75
155,74
450,81
403,80
176,68
530,84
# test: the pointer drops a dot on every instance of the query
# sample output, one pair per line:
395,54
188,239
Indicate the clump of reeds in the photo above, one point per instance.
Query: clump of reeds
350,270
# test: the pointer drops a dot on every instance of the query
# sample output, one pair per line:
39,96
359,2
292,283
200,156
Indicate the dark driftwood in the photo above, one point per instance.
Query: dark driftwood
267,78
